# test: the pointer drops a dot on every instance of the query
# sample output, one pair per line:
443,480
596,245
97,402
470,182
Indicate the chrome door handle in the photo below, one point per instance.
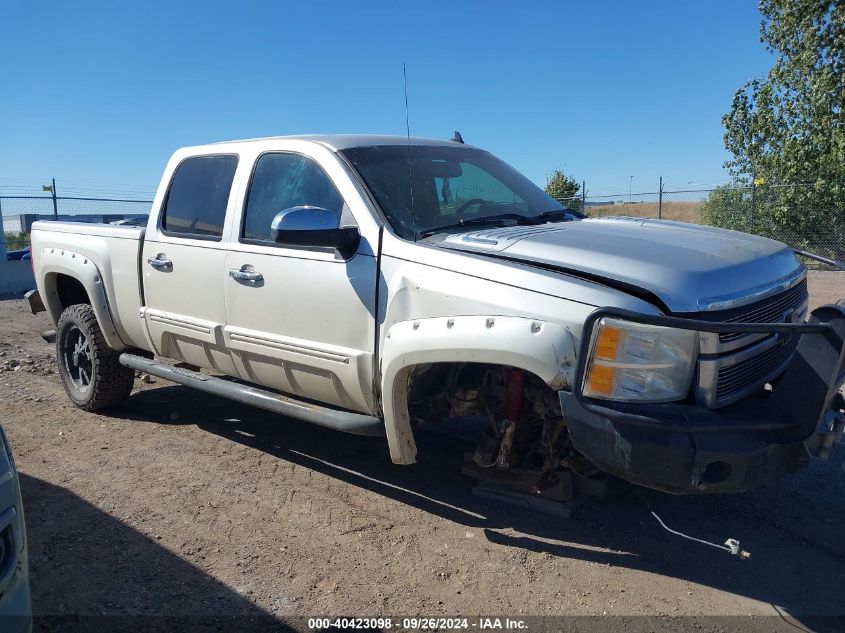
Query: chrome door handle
159,261
245,275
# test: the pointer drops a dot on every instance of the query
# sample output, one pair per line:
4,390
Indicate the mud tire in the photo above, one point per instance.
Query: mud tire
90,371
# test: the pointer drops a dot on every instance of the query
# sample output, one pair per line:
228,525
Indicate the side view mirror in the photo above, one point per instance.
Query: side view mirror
314,227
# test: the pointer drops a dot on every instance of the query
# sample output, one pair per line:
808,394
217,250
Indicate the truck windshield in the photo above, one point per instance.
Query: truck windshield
423,188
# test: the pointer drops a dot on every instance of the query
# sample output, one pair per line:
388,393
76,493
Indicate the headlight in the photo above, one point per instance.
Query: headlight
634,362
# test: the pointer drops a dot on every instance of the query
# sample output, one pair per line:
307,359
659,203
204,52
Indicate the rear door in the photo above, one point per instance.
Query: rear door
307,326
184,264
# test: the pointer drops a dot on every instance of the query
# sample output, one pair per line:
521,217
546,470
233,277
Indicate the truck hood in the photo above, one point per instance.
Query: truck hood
686,266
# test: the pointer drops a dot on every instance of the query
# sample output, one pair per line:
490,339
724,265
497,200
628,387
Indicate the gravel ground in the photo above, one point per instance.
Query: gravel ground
178,503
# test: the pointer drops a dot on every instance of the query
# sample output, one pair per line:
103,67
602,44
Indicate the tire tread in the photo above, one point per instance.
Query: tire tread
112,382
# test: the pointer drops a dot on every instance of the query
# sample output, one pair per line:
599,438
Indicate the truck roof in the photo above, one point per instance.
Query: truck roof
346,141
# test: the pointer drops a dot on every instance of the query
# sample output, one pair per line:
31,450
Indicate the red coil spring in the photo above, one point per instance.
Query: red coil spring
513,406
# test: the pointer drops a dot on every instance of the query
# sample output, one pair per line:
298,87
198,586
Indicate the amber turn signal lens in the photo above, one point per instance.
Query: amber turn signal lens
608,342
600,380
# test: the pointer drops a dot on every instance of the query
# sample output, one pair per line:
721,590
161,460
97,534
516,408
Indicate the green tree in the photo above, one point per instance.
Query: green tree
564,188
16,241
786,133
789,127
729,207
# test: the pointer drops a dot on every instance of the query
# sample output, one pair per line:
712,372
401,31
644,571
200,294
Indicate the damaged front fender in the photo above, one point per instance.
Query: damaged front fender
544,349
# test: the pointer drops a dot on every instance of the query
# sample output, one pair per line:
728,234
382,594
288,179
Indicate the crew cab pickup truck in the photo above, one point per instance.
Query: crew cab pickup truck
373,284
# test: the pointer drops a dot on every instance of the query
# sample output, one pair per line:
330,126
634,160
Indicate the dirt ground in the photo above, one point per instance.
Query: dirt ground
178,503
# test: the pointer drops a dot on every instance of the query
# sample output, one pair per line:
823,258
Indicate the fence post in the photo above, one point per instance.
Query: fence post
2,235
55,204
753,201
660,200
584,197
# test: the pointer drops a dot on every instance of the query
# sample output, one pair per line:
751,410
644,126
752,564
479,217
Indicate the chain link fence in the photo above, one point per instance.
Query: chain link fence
809,217
19,212
806,216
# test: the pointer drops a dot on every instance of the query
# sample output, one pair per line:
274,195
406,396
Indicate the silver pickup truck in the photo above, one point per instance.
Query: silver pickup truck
372,284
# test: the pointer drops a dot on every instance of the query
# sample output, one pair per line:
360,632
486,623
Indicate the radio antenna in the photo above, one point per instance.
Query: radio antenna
407,118
408,134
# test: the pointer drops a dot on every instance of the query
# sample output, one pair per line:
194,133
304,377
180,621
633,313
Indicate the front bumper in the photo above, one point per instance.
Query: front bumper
687,448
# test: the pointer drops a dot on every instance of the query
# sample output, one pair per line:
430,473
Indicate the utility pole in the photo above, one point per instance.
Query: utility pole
630,183
660,200
55,203
52,190
584,197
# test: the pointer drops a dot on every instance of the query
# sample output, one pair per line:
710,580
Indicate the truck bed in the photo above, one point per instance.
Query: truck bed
115,250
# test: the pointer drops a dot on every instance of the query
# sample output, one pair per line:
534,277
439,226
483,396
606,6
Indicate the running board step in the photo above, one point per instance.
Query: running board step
346,421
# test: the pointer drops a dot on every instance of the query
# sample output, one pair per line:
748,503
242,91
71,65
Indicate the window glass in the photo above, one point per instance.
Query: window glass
425,187
199,193
282,181
475,183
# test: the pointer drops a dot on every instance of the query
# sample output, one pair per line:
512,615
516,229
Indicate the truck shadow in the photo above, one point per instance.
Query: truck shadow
793,529
91,572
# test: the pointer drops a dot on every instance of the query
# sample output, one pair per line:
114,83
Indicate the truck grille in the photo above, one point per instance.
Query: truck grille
753,372
771,311
733,365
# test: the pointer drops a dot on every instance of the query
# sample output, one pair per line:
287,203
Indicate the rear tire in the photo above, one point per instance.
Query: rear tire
91,374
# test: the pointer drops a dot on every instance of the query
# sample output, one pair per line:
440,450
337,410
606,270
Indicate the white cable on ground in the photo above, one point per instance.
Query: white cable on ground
731,545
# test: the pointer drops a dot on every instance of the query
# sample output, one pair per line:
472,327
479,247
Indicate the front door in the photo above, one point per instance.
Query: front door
184,265
302,320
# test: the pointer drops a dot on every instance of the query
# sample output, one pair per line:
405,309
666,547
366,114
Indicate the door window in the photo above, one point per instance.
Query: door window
198,196
282,181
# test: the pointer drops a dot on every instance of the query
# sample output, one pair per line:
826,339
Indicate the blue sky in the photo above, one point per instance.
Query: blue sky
98,94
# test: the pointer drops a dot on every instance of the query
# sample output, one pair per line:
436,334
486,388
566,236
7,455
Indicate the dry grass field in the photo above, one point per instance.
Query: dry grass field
681,211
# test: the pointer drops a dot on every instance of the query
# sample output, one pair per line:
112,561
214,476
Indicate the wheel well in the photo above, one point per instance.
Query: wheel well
522,424
70,291
450,389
